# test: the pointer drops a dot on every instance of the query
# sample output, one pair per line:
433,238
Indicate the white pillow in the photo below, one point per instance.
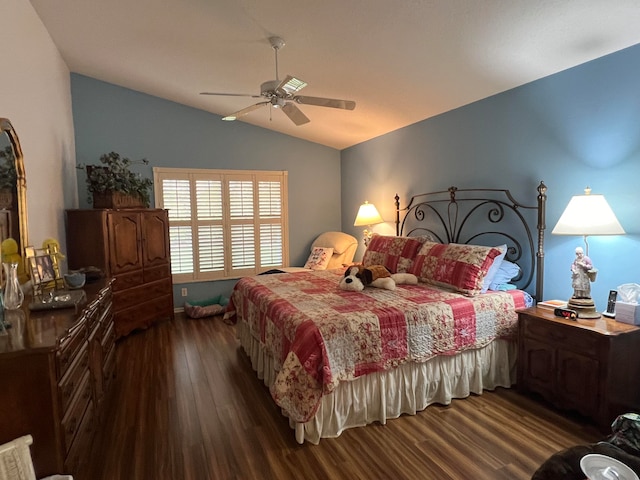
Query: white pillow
488,278
319,258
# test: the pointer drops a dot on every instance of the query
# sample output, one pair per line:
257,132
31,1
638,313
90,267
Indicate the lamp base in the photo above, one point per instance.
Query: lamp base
585,307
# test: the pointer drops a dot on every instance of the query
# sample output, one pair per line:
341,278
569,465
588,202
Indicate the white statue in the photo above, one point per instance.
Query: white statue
580,278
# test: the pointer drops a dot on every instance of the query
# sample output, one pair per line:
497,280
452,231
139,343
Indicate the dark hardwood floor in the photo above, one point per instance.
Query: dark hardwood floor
187,405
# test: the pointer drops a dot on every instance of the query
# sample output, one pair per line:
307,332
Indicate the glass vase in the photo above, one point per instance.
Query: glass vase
13,294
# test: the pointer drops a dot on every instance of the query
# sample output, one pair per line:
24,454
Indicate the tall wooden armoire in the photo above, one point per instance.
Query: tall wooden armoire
131,246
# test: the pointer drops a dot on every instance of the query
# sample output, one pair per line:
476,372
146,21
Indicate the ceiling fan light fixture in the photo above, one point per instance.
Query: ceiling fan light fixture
292,85
277,102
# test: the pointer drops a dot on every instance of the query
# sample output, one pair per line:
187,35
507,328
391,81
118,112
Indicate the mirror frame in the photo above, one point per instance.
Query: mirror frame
21,187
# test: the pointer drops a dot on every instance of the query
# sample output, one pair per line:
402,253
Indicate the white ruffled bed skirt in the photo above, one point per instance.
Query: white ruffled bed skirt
407,389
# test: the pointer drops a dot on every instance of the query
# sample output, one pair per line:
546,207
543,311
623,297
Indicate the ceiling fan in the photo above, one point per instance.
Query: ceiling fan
283,95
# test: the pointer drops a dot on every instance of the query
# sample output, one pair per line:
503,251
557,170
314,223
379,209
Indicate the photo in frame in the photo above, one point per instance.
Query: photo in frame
43,269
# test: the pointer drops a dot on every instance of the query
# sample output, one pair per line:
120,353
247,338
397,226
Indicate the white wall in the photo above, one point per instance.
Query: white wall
35,95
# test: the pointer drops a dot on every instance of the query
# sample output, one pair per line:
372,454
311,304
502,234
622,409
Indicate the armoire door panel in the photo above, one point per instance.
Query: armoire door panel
155,228
125,242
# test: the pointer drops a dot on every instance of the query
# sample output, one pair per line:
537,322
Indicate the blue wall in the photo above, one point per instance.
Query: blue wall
110,118
576,128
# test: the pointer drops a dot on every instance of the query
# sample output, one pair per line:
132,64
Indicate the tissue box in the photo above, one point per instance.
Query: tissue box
628,312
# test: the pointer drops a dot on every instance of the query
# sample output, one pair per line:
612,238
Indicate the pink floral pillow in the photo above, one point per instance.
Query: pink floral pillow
395,253
460,267
319,258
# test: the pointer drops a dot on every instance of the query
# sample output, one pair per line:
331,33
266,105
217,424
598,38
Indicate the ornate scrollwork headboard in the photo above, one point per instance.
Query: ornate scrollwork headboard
485,217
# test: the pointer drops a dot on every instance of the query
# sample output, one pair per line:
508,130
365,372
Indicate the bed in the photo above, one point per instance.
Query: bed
336,359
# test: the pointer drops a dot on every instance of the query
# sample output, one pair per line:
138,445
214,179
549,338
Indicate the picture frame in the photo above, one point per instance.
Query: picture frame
44,270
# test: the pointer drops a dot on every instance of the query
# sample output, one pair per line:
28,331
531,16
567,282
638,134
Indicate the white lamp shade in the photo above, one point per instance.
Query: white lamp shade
367,215
588,215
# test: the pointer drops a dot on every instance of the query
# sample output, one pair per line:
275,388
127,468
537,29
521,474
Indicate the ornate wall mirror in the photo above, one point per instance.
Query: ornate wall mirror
13,188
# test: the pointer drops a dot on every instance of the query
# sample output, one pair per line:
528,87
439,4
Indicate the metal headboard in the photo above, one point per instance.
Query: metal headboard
460,215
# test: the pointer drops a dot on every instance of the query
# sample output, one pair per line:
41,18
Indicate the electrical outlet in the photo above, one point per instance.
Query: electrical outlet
184,292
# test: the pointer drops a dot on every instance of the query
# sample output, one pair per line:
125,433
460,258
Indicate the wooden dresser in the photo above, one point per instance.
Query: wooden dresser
57,367
589,366
132,246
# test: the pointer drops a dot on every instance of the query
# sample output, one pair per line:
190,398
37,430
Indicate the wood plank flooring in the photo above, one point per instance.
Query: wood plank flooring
187,405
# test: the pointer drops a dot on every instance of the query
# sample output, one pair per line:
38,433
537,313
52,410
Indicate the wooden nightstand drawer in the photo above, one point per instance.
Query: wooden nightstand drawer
575,339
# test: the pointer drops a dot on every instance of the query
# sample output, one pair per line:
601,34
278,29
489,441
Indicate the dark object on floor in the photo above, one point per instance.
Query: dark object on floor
565,465
623,444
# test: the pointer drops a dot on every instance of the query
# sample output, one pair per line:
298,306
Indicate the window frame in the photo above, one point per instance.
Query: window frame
226,176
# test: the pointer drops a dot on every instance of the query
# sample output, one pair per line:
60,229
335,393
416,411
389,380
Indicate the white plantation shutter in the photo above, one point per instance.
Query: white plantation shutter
269,214
209,218
241,216
223,224
177,200
270,245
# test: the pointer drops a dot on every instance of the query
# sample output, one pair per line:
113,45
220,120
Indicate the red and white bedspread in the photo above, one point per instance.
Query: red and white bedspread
320,335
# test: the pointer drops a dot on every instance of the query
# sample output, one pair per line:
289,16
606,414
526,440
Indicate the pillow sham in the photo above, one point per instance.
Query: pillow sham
459,267
319,258
494,268
395,253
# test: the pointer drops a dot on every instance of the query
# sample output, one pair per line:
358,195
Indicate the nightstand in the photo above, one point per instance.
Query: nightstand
590,366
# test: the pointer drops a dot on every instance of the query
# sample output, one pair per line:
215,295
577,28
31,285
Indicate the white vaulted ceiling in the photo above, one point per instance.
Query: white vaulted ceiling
401,61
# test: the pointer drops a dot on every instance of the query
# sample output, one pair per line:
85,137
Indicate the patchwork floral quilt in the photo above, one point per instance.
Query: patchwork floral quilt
320,335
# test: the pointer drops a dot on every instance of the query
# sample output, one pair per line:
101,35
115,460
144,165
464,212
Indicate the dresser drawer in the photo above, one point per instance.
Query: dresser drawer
77,453
73,416
109,368
136,296
92,317
582,341
109,337
73,378
143,315
69,346
128,280
156,273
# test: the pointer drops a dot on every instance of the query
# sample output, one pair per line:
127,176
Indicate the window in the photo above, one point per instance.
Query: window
223,223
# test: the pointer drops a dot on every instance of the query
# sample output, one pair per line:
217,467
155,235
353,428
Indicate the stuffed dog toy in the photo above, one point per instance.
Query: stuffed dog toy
356,277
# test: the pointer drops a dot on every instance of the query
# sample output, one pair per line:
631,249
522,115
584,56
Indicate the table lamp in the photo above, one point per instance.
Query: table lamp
367,215
586,215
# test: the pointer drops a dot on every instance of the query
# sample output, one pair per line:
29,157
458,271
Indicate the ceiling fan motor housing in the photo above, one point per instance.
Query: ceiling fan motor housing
268,89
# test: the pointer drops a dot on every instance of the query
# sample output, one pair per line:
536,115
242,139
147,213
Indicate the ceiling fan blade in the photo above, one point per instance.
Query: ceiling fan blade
325,102
295,114
231,94
244,111
291,85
